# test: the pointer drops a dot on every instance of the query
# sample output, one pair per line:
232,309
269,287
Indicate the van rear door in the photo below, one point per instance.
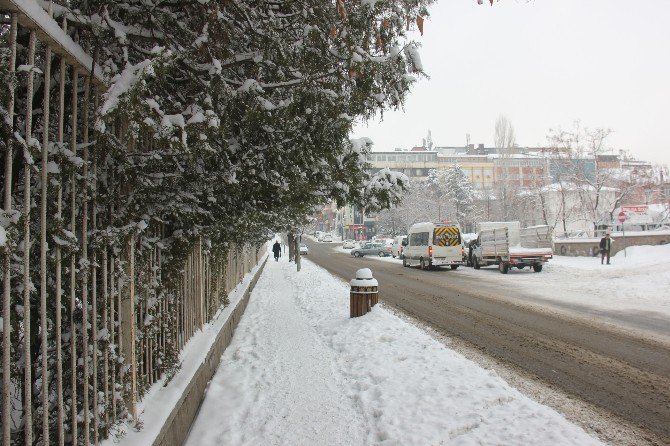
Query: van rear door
447,244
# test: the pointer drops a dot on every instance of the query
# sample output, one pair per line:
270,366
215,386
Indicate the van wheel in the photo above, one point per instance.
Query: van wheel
422,265
503,267
475,263
404,262
454,266
537,268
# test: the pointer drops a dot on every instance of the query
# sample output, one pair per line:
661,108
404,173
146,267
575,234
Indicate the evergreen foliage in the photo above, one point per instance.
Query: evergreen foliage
222,121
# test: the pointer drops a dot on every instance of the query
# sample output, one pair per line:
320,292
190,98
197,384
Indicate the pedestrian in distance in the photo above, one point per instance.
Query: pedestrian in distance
605,247
276,250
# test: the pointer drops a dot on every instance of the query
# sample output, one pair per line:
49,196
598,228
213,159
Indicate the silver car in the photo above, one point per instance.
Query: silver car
377,249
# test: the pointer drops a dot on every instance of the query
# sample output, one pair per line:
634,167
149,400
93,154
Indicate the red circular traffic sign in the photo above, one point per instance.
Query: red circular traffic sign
622,216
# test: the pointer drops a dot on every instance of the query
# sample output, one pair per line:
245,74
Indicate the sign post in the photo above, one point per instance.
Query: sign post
622,220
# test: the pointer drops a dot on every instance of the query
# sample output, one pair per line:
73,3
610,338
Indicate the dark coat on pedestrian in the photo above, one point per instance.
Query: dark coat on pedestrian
276,249
605,247
605,243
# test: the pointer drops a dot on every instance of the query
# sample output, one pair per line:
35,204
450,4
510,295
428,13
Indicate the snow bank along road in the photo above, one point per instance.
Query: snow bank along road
619,370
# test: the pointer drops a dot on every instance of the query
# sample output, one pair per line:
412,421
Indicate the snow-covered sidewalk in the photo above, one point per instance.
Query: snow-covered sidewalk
299,371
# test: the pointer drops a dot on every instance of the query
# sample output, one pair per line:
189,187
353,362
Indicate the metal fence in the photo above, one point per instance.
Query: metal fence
91,317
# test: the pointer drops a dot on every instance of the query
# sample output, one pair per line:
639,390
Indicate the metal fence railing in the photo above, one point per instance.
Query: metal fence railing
91,316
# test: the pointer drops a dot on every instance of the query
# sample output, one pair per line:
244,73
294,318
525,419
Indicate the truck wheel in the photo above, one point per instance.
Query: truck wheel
454,266
537,268
475,263
357,254
503,267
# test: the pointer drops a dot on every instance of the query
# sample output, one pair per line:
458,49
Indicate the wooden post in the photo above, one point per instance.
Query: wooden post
364,293
7,258
27,354
43,248
106,309
84,260
73,277
114,334
59,297
128,329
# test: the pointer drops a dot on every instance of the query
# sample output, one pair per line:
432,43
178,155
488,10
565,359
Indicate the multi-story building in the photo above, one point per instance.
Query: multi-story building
521,171
415,164
483,168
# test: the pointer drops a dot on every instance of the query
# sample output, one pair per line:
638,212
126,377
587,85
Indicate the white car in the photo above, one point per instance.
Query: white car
327,238
304,250
396,246
348,244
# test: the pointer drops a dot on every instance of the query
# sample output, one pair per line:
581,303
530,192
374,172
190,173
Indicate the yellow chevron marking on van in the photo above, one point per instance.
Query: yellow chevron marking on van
447,236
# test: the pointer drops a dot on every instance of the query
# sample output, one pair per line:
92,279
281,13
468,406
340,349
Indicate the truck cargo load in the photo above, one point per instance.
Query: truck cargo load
505,245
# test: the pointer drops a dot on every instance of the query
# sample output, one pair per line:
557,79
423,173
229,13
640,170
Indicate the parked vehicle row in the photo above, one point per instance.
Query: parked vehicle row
433,245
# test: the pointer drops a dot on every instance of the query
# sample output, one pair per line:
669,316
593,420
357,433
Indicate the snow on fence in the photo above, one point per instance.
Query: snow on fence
92,311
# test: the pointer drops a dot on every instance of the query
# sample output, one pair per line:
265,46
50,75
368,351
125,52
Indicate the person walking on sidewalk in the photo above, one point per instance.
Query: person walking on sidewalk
605,246
276,250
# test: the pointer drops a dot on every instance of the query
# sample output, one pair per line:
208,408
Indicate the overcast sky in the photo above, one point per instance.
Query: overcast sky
543,64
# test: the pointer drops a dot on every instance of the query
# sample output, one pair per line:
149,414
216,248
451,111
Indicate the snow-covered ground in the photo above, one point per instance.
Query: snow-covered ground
637,281
299,371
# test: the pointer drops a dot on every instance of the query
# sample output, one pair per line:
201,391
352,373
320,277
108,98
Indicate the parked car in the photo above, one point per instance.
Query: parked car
396,246
304,250
348,244
368,248
327,238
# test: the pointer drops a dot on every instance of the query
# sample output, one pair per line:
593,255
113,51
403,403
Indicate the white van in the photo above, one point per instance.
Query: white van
434,244
397,246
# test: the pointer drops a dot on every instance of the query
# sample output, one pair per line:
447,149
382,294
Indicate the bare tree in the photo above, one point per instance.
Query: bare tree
392,221
504,137
583,148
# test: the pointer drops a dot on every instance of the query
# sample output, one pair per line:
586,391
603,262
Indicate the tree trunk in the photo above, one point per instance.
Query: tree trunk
291,246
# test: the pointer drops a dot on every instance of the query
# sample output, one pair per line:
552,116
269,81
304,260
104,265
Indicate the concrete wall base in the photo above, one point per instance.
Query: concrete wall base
590,247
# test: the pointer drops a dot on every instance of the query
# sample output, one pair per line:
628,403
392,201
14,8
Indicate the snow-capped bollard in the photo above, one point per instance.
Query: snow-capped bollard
364,293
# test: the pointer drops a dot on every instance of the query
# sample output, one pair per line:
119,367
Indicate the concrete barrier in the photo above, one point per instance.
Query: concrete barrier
590,246
177,425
